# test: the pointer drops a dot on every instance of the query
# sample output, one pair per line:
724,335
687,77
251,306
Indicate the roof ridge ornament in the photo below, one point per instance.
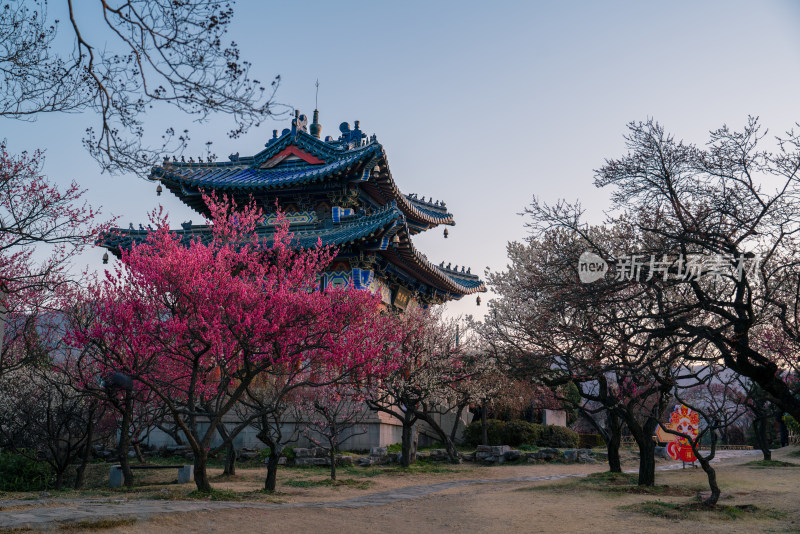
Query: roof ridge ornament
299,123
316,128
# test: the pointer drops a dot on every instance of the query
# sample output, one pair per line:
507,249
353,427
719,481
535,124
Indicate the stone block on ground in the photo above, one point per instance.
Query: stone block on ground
438,454
185,474
586,456
494,450
311,461
115,477
512,455
344,460
544,454
300,452
379,451
571,455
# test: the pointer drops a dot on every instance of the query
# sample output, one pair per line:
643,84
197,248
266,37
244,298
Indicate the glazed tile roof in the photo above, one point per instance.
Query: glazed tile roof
351,230
365,164
369,229
245,175
450,280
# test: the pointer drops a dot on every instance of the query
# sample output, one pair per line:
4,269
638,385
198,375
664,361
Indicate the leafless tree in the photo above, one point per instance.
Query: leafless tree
423,386
332,415
127,57
713,245
720,402
555,330
44,418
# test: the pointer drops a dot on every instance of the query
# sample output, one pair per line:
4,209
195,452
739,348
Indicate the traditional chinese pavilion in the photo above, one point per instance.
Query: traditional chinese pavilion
339,190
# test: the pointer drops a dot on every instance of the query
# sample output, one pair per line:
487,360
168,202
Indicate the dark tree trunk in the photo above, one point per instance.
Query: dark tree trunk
230,460
712,481
613,443
705,463
86,456
647,462
484,425
272,469
125,440
454,430
761,437
273,441
406,458
230,450
452,452
333,463
59,478
643,434
200,472
137,449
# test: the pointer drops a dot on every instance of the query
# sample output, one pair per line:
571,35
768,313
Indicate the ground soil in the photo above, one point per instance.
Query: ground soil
512,507
566,505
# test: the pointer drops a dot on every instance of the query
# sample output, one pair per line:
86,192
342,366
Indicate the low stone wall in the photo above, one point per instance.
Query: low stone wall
490,454
382,429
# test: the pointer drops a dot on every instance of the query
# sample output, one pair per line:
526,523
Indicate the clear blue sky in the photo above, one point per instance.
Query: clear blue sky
482,104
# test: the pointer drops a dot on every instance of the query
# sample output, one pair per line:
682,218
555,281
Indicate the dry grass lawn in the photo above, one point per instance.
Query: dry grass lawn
760,499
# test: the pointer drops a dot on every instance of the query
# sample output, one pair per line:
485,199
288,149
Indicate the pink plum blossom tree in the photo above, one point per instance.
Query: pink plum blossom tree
196,324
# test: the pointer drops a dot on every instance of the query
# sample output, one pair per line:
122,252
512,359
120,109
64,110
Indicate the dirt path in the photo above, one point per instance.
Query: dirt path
47,513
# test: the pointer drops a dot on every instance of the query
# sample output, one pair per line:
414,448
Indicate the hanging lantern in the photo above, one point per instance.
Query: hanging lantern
105,258
159,189
446,233
478,300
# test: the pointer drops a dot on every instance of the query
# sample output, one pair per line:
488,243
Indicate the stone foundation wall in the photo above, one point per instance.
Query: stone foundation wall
381,430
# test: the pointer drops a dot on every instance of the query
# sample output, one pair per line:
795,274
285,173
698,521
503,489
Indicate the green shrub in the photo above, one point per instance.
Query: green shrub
558,437
495,431
19,473
518,432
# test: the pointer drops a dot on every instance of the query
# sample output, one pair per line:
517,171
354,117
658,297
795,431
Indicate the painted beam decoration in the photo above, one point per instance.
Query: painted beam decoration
295,217
685,420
